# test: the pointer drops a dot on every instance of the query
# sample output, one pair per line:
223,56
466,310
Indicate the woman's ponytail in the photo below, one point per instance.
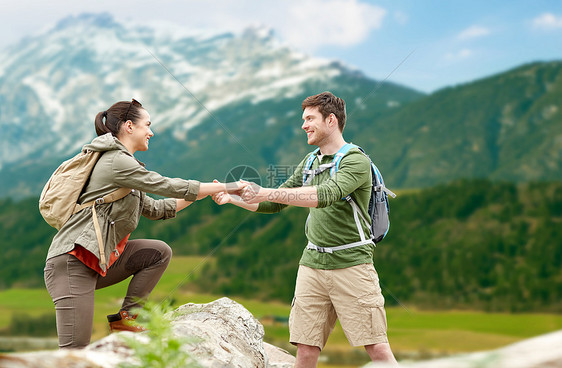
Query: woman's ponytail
99,123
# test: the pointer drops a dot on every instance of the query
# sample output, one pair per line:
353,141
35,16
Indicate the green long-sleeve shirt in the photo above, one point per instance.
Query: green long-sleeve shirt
332,222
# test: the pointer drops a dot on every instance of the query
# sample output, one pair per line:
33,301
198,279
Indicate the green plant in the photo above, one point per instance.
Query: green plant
162,349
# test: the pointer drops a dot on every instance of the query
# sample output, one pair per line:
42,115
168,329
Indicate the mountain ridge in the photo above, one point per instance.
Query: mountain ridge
224,100
57,81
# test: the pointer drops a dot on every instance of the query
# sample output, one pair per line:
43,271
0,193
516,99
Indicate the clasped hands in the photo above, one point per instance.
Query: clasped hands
241,190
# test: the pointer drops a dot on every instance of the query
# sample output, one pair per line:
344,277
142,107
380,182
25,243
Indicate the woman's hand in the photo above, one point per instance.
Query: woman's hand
221,198
209,189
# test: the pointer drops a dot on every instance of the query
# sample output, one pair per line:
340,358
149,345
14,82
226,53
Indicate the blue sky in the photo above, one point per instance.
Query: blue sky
449,42
458,41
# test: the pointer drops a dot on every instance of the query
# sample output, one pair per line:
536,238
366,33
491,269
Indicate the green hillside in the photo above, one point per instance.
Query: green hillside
505,127
468,244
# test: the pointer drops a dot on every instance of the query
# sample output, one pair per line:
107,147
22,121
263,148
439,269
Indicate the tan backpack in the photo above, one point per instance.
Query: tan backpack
59,198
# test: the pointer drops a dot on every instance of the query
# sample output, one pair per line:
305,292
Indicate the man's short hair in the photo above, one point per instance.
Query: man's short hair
327,104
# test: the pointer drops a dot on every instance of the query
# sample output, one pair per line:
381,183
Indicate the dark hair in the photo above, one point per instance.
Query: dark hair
116,115
327,104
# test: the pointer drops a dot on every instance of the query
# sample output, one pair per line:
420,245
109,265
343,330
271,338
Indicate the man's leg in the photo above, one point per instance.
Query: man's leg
381,352
307,356
359,304
312,317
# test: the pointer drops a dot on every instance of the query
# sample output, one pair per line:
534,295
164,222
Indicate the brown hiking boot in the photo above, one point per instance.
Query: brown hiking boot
123,322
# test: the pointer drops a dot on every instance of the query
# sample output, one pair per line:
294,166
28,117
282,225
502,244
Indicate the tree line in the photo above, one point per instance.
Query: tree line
468,244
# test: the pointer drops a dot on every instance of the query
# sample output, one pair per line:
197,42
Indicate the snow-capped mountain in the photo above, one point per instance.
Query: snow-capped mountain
53,84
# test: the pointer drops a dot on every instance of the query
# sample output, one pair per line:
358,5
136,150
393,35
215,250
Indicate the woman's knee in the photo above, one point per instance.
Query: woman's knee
165,251
148,253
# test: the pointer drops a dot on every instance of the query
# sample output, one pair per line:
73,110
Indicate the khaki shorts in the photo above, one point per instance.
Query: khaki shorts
351,294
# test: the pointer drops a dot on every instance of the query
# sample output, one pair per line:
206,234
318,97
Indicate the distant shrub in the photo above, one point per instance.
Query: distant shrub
22,324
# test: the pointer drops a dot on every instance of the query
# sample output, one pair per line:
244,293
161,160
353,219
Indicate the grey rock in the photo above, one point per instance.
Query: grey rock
228,334
219,334
278,358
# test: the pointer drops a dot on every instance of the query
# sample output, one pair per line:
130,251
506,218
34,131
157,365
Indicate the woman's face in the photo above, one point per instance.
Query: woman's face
142,132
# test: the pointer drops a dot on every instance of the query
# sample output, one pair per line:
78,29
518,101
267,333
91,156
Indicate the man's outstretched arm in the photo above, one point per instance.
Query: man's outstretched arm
300,197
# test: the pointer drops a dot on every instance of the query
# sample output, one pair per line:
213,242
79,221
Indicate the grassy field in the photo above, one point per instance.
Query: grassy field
411,331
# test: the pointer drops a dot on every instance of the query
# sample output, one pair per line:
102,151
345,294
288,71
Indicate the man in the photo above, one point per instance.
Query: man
330,284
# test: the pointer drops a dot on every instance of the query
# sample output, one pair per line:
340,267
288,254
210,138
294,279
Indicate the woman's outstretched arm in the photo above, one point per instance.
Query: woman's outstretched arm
206,189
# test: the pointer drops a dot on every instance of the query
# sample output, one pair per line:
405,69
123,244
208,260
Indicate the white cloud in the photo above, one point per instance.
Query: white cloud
314,23
473,32
306,24
547,21
459,55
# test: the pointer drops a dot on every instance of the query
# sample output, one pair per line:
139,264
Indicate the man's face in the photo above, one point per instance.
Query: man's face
314,125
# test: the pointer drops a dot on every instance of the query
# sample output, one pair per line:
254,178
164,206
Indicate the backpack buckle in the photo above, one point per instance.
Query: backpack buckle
100,201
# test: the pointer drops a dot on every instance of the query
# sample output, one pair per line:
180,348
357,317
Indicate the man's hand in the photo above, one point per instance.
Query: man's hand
235,187
253,193
221,198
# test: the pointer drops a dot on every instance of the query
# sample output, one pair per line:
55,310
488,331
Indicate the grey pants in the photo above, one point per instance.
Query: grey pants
71,285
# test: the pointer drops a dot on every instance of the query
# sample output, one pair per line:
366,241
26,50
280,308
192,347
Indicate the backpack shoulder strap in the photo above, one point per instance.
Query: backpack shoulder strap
111,197
308,164
339,155
311,158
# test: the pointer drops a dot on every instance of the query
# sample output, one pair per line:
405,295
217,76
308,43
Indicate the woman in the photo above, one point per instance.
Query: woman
74,267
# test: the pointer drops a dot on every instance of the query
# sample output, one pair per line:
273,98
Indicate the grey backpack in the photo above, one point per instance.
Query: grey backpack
379,208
